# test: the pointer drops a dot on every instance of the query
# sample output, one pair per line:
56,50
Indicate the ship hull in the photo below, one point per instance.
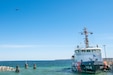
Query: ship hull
87,67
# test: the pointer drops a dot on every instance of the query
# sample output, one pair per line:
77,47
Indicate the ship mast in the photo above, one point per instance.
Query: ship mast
85,32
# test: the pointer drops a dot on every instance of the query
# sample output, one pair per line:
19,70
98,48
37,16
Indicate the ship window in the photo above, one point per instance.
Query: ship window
83,50
76,51
88,50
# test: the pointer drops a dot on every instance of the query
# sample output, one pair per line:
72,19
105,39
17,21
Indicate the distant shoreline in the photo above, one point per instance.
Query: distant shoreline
51,60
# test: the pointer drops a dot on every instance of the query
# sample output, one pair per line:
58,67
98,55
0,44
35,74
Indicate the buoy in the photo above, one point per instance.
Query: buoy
17,69
34,66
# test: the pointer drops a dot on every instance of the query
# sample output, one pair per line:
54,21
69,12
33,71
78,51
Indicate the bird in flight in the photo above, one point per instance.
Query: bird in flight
16,9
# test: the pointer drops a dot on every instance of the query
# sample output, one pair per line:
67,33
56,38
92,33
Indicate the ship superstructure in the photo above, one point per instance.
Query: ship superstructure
87,59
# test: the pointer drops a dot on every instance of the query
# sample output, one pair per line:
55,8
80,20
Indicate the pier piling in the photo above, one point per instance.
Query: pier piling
17,69
34,66
26,66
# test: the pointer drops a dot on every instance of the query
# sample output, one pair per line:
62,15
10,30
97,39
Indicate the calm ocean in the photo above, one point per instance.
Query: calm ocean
58,67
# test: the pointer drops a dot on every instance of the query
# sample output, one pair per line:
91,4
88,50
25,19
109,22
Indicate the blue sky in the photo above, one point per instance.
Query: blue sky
50,29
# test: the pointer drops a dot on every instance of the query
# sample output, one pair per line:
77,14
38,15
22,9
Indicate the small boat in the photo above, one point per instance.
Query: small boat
87,59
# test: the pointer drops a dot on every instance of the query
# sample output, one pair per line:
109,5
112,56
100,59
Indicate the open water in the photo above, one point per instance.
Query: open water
58,67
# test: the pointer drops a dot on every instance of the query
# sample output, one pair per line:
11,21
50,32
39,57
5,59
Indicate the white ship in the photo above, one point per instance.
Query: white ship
88,59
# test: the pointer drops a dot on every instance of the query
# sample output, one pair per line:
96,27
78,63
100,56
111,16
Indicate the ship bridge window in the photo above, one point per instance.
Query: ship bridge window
77,51
83,50
88,50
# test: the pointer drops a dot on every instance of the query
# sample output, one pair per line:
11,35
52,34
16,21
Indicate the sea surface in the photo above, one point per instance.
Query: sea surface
56,67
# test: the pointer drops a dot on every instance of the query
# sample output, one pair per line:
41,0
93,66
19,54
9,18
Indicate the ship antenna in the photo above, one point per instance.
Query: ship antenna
85,32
